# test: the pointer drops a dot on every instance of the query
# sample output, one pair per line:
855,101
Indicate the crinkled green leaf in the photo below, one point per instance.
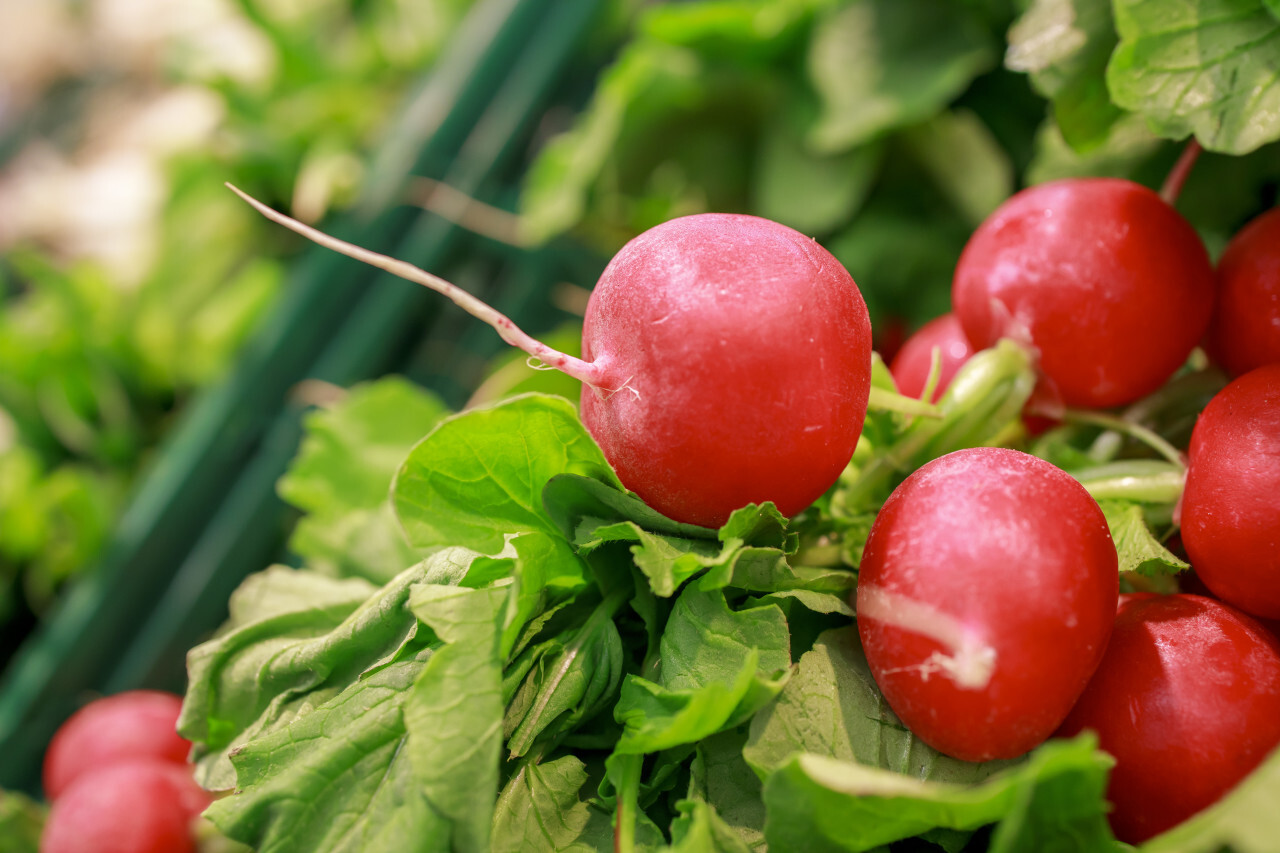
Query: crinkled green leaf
1064,45
817,803
1136,545
1204,67
738,28
700,829
718,667
878,65
342,476
1244,821
21,822
720,777
575,676
453,715
833,708
540,810
478,476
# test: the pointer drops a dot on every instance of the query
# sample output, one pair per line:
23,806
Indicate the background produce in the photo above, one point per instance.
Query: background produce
889,130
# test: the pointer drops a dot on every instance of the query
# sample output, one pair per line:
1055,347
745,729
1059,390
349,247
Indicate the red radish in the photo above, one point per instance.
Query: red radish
131,725
985,597
1245,330
1107,282
1230,510
141,806
726,360
914,361
1187,700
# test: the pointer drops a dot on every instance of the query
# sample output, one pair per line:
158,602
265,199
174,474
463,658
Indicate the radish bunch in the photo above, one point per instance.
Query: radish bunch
117,777
1110,290
726,361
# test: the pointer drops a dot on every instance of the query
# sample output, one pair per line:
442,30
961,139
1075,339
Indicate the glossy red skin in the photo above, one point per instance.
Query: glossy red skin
131,725
1245,330
1187,700
910,368
143,806
1230,511
1111,285
1020,553
745,349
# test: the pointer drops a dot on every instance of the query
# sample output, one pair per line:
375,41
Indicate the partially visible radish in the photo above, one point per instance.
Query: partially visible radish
986,594
1106,281
1187,700
139,806
1245,330
913,364
127,726
1230,510
726,360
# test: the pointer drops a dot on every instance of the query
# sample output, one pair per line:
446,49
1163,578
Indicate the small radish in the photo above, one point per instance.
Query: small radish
126,726
913,364
1245,330
140,806
726,361
1106,281
1230,510
1187,700
985,598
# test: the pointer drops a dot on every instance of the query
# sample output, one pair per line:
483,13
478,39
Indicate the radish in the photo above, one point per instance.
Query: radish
726,361
985,598
1100,276
913,365
127,726
1230,511
1245,330
1187,700
140,806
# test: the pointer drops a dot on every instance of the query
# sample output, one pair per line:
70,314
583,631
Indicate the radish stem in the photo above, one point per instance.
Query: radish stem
1172,187
585,372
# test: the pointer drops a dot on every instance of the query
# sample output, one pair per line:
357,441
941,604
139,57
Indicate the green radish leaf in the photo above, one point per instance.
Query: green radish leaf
965,161
833,708
718,667
1136,545
478,476
342,477
813,192
1128,149
540,810
879,65
1205,68
1064,45
453,716
736,28
820,803
21,822
700,829
721,778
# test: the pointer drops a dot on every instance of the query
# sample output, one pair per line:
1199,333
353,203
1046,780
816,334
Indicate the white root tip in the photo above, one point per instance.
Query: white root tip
968,660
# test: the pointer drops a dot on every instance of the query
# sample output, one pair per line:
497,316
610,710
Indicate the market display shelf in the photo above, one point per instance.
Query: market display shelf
206,514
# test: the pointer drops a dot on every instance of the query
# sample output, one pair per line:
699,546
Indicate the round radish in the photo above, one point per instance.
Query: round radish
131,725
726,361
985,597
1230,510
1107,282
913,363
140,806
1245,330
734,359
1187,700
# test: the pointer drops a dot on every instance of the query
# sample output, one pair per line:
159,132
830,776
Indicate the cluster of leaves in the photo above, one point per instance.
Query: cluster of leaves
888,129
92,370
494,646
